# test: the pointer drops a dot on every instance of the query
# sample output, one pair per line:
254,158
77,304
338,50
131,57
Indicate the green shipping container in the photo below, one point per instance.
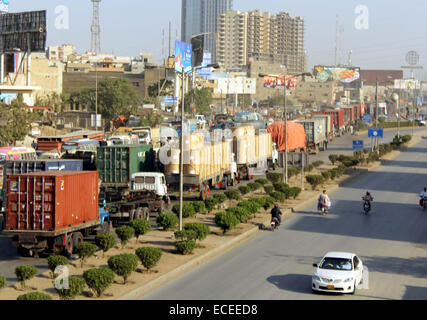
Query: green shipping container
116,164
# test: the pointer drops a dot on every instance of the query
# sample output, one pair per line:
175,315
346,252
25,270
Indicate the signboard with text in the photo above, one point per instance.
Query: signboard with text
375,133
278,82
357,144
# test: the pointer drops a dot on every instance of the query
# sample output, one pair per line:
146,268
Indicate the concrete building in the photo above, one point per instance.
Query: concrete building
60,53
33,77
311,91
201,16
277,38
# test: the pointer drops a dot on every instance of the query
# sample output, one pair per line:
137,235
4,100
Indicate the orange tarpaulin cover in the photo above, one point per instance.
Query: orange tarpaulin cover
296,135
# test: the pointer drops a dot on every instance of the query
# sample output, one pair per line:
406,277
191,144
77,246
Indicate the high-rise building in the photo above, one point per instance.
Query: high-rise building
201,16
280,39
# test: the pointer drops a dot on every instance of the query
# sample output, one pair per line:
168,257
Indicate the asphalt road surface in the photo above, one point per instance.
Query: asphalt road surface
392,243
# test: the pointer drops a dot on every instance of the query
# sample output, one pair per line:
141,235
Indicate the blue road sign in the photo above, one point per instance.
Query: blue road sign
375,133
367,119
357,144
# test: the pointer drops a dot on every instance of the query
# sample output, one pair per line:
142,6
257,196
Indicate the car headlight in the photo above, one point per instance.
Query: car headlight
317,278
348,280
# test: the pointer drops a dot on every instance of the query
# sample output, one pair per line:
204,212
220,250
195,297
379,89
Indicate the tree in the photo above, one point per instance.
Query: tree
202,100
245,101
14,122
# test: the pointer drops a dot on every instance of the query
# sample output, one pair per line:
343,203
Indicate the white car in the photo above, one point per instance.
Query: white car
339,272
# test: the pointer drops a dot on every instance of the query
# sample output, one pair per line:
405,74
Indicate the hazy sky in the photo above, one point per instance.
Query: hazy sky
133,26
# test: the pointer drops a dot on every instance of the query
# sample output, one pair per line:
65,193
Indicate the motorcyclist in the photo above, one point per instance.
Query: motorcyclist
423,195
323,200
368,198
276,213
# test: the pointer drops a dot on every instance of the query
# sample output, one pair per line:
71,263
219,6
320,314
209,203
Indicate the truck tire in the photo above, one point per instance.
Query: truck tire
69,246
142,213
77,238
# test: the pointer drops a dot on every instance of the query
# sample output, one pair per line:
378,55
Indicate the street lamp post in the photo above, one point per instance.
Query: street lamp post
395,98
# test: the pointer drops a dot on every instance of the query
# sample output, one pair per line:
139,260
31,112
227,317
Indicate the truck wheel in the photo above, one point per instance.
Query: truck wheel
69,246
77,238
132,214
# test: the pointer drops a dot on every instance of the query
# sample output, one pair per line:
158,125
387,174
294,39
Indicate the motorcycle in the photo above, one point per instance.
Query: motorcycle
323,209
275,223
366,207
423,203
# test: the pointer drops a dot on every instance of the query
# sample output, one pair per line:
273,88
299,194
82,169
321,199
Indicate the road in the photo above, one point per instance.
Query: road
9,259
392,243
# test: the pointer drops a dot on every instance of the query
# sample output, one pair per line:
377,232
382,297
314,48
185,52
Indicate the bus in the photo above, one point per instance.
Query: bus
80,145
17,153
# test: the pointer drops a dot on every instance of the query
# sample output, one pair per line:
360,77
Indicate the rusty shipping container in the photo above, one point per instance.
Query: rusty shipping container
52,202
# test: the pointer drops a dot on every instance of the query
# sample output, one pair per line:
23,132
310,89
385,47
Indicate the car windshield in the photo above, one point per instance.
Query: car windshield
336,264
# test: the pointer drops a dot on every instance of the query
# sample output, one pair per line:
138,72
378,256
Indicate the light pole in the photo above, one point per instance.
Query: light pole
395,98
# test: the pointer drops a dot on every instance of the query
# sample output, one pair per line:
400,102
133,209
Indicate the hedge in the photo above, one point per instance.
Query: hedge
254,186
274,177
226,221
220,197
233,194
125,233
187,210
211,203
314,180
55,261
185,246
105,242
280,186
326,175
34,296
99,279
141,227
75,287
241,213
123,265
201,229
278,196
85,250
252,206
199,206
167,221
333,158
268,189
24,273
2,282
149,256
262,181
244,189
185,235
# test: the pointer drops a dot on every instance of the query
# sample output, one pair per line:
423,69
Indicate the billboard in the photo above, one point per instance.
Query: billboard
236,86
406,84
207,60
183,56
277,82
343,74
197,43
4,6
26,31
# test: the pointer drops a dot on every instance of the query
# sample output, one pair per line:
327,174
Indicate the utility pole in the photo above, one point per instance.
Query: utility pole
376,113
285,166
181,162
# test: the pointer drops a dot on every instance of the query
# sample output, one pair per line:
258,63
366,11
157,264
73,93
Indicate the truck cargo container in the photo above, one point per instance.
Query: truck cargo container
315,131
87,157
338,120
116,167
55,142
348,115
53,210
296,135
328,122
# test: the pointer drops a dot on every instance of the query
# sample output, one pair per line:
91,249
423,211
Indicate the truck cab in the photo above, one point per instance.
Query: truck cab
150,181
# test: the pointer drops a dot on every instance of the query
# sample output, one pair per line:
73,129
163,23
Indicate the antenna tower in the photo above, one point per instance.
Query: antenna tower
95,28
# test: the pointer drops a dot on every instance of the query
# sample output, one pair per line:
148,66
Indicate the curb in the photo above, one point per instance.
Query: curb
188,266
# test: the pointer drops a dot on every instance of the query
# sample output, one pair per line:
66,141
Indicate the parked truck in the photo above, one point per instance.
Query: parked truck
130,184
328,123
53,211
315,132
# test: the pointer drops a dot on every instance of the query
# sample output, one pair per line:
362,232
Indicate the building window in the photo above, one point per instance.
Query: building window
135,84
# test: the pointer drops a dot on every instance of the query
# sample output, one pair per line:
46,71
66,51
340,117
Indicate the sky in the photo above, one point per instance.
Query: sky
129,27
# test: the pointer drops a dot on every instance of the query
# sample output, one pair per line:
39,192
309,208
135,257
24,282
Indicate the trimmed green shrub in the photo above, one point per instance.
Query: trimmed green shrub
125,233
2,282
55,261
85,250
99,279
105,242
149,256
280,186
211,203
268,202
268,189
262,181
187,210
254,186
141,227
241,213
233,194
333,158
244,189
278,196
75,287
185,235
295,192
34,296
226,221
314,180
123,265
185,246
201,229
326,175
199,206
167,221
274,177
252,206
24,273
292,172
318,163
309,168
220,197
